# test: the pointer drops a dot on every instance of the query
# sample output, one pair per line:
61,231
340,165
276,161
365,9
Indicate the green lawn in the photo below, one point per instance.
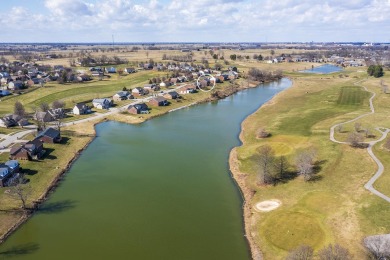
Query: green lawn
335,208
352,96
72,93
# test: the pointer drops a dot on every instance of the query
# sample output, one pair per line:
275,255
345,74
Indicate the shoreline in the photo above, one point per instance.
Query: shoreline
45,195
246,192
58,178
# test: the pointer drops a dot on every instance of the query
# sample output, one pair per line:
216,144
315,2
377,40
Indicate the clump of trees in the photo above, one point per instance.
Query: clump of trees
272,168
375,70
89,60
355,140
180,58
264,76
330,252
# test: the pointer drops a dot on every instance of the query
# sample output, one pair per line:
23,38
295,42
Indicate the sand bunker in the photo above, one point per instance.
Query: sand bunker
267,205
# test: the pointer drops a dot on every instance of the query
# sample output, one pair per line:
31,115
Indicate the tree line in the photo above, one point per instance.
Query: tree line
264,76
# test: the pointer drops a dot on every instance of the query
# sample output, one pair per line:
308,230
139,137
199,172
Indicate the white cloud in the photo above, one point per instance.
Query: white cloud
186,20
68,7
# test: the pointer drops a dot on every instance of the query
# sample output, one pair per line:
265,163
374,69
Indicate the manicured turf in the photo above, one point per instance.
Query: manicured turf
336,205
288,230
352,96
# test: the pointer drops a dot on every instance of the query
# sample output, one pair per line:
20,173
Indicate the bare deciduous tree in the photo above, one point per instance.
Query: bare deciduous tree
303,252
357,126
368,133
281,166
20,190
378,247
334,252
339,128
387,144
262,133
305,164
355,139
19,109
44,107
58,104
266,161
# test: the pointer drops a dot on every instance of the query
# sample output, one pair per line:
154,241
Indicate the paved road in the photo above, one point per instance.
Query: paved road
10,139
384,131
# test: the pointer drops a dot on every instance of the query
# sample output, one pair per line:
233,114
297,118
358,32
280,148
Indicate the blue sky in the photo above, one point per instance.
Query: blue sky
195,20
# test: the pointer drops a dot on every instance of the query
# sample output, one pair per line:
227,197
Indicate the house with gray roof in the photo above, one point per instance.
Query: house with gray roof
102,103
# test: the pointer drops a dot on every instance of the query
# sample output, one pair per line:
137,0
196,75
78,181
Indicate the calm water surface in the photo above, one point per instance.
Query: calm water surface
159,190
324,69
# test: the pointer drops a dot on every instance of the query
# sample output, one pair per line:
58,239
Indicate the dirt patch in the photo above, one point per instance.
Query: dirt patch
267,205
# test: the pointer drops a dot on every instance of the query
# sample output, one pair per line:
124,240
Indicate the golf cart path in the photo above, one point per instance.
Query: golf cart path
383,131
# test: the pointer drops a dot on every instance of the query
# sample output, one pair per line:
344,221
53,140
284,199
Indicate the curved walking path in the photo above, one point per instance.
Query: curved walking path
383,131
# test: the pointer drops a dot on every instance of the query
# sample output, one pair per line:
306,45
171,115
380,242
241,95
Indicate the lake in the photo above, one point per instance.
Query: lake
324,69
158,190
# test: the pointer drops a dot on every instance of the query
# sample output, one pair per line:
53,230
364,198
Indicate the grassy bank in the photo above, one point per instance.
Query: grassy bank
335,207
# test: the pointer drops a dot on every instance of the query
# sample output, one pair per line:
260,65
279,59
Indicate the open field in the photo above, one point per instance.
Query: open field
335,206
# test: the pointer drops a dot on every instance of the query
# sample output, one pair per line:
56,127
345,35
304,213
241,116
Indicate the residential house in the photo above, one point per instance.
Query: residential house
148,66
173,81
151,87
23,122
4,81
13,165
15,85
50,115
4,93
43,117
138,91
96,73
5,74
159,101
102,103
37,81
171,95
81,109
122,95
8,171
140,108
130,70
49,135
181,79
190,88
5,174
111,70
83,77
31,150
7,121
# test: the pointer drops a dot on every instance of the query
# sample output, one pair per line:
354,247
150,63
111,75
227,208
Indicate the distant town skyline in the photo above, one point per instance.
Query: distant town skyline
195,21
